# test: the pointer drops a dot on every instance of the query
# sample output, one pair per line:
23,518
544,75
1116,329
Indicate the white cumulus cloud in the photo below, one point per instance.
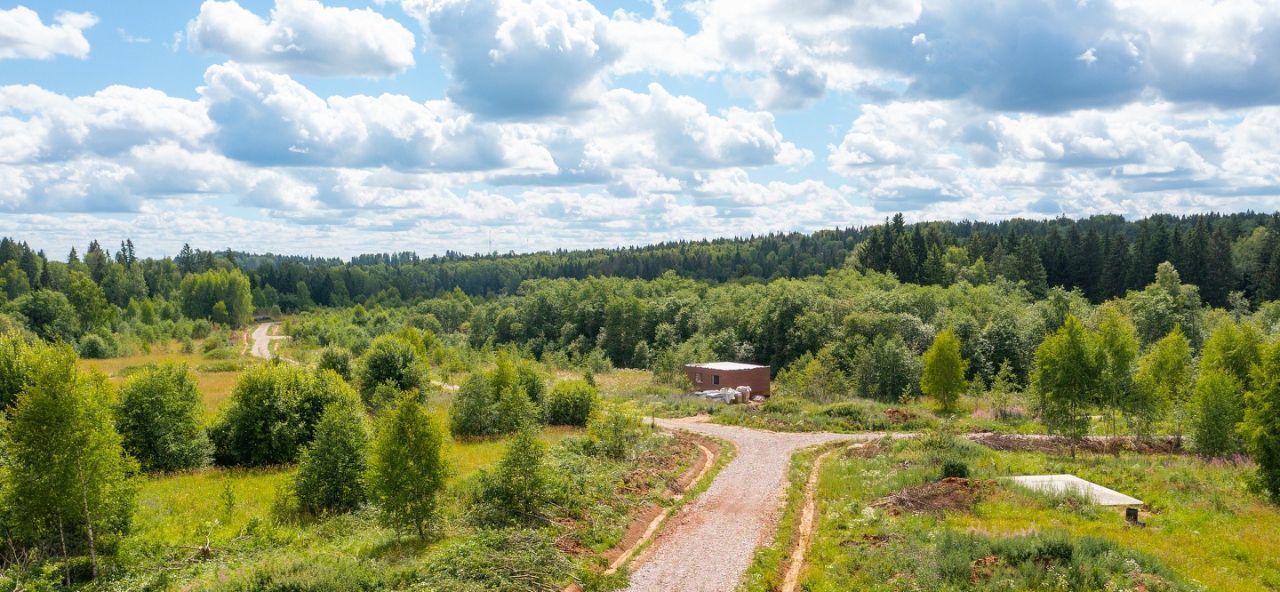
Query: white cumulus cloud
24,35
304,37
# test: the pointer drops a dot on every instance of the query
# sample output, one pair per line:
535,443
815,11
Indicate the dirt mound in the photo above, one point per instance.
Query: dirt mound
950,494
1062,445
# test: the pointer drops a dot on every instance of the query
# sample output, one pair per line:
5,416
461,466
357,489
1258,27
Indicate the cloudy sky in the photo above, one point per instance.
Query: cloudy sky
335,127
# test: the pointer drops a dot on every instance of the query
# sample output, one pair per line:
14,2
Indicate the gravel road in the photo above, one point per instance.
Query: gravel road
709,545
262,338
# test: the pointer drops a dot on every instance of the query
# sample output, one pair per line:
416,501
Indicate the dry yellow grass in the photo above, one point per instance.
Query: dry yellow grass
214,387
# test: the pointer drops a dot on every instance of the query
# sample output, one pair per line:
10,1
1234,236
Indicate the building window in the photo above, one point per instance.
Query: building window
715,379
697,377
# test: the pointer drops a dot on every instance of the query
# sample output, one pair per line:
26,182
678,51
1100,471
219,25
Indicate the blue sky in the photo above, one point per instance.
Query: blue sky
339,127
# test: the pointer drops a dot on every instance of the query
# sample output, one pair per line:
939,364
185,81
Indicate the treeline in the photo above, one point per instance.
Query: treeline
1233,259
1102,256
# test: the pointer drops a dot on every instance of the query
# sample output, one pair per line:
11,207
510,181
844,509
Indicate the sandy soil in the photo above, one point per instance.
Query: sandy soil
709,545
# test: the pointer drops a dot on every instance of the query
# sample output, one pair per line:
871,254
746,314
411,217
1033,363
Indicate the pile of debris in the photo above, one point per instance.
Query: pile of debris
950,494
740,394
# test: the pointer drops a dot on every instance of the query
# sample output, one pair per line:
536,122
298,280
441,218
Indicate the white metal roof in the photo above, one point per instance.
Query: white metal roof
1071,483
727,366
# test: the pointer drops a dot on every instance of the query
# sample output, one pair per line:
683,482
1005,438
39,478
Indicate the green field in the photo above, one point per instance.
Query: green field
1205,528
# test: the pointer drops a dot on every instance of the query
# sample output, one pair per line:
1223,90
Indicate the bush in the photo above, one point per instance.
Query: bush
955,469
220,353
492,403
571,403
212,342
851,411
517,491
783,406
223,366
94,347
498,561
389,359
615,431
272,414
336,359
159,419
331,468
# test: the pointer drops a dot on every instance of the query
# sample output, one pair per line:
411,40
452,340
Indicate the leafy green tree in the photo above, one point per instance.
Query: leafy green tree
1067,374
886,370
1232,348
389,359
200,294
407,469
14,281
337,359
518,490
1219,409
571,403
90,303
1118,340
1164,378
14,372
1261,428
944,370
68,474
159,419
1165,304
332,468
272,414
49,315
470,411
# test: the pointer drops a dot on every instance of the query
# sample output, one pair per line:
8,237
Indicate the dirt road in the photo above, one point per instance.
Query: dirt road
709,545
260,346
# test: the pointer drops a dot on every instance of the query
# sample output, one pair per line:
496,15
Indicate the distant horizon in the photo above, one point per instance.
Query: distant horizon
346,126
145,251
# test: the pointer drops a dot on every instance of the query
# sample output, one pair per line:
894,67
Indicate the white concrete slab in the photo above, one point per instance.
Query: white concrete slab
1061,484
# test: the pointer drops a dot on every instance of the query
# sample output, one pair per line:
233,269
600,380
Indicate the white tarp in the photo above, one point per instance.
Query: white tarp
1062,484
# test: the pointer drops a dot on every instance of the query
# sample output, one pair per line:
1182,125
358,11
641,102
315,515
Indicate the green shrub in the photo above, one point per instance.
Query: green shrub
337,359
94,347
492,403
571,403
615,431
783,406
518,490
955,470
389,359
851,411
272,414
159,419
221,353
331,469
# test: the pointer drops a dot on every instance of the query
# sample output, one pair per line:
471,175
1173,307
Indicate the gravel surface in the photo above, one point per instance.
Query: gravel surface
262,338
709,545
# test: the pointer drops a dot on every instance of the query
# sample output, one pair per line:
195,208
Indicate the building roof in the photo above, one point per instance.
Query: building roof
727,366
1060,484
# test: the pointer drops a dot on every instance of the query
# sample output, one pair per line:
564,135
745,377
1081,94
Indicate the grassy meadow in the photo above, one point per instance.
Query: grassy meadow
1206,528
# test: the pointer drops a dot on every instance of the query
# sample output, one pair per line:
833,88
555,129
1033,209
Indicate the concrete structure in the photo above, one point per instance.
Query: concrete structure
1062,484
719,375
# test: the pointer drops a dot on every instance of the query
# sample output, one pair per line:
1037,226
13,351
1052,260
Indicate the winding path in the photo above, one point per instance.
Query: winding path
709,545
260,346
